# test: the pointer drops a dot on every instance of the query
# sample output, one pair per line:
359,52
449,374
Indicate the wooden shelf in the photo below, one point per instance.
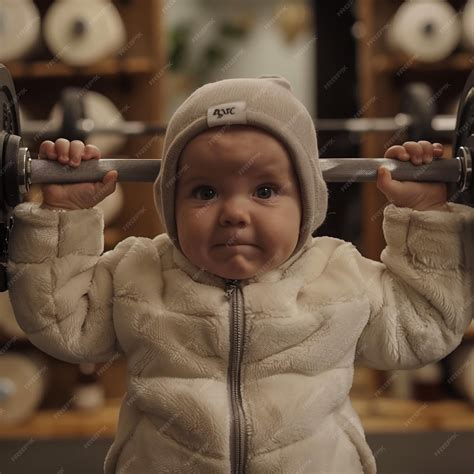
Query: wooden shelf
134,81
69,423
394,415
377,415
383,63
48,69
469,334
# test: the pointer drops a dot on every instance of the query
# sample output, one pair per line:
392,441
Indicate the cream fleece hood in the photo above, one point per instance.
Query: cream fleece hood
265,102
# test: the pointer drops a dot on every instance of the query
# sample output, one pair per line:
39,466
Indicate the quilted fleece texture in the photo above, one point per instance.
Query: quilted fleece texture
307,323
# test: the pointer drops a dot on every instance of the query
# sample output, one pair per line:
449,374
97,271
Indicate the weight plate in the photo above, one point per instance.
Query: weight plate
465,115
10,141
3,145
90,34
464,134
20,29
9,120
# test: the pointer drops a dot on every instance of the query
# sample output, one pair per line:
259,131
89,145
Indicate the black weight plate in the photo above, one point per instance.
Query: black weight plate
464,134
9,125
9,143
9,118
3,145
465,115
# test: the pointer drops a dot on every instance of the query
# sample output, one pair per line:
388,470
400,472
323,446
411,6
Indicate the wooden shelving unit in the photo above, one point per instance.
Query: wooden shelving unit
393,415
55,424
382,75
469,335
383,63
112,66
134,80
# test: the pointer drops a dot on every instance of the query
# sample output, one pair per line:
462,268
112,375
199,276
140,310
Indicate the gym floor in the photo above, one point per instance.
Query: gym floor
410,453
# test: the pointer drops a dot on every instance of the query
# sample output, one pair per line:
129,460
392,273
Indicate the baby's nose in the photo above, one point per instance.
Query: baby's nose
234,212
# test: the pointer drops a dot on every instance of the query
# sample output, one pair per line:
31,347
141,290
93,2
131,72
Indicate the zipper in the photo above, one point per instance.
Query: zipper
237,328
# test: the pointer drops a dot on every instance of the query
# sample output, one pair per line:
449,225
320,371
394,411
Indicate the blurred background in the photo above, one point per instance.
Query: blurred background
137,60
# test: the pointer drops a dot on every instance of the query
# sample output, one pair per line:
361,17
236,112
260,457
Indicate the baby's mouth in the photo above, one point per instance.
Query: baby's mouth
233,244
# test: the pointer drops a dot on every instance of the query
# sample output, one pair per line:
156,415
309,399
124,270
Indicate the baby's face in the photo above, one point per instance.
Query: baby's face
238,208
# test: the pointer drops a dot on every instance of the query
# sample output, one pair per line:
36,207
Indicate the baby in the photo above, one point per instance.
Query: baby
241,331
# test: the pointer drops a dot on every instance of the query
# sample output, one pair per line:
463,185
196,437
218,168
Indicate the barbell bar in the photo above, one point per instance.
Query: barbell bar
35,171
456,171
18,163
20,170
417,117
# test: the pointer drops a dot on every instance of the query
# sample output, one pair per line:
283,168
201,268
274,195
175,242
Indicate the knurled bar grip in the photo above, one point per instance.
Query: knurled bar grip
339,170
333,169
52,172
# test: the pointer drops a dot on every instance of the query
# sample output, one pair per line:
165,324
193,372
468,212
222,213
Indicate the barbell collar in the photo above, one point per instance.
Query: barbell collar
456,170
24,170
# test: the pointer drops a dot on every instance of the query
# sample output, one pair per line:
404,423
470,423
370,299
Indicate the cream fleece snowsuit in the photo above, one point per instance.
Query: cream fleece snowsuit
226,375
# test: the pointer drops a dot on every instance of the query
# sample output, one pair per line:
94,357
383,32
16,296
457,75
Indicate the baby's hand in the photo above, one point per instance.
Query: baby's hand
77,195
421,196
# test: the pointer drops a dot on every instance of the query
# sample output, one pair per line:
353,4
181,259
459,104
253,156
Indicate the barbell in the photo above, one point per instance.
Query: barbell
19,170
417,117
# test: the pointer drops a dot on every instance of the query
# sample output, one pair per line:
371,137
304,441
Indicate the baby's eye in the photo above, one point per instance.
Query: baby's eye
206,192
268,194
207,189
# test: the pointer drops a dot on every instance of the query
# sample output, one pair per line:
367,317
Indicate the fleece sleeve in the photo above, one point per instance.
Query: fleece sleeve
421,292
60,282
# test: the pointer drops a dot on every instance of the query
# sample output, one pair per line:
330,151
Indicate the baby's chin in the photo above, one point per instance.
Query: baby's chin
230,272
235,272
236,275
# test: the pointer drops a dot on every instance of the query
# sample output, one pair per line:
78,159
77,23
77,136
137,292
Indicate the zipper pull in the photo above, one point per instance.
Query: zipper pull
231,285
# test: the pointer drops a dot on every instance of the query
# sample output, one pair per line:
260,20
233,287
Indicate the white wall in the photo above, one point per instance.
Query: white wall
263,51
